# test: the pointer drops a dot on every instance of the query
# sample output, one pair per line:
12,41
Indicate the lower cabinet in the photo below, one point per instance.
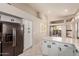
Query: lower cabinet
53,48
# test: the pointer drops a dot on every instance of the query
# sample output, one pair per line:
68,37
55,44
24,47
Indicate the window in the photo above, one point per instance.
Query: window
55,30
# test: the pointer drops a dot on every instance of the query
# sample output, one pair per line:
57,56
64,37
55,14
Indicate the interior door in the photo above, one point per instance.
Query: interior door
7,40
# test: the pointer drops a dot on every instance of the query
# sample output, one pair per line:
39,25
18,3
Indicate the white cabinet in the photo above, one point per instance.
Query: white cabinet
44,47
6,18
54,48
49,48
16,20
66,50
27,34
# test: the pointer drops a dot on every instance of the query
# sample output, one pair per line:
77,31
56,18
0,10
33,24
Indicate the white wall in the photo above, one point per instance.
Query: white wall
75,40
39,30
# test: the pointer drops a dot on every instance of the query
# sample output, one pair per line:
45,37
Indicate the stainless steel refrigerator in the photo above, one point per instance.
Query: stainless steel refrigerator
11,39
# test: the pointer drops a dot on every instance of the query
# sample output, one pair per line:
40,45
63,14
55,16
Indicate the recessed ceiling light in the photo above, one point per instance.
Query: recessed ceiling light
49,12
66,10
78,16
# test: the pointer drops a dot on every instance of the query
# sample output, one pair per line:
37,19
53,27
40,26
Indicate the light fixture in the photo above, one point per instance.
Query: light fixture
78,16
66,10
49,11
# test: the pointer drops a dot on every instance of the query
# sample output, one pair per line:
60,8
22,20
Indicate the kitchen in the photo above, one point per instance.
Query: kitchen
26,30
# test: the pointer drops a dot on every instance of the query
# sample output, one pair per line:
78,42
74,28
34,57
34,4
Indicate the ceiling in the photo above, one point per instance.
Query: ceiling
54,10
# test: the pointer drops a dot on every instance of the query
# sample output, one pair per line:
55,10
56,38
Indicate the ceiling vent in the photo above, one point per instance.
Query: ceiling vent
9,3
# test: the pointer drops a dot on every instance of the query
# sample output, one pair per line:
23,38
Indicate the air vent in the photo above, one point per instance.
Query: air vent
9,4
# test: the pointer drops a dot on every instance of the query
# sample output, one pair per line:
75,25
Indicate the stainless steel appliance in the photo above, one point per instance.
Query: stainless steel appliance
11,36
11,39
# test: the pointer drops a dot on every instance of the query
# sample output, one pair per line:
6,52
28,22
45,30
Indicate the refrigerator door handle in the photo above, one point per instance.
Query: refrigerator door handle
0,42
14,41
14,37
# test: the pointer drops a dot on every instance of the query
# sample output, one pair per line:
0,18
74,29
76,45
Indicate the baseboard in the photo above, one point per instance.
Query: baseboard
27,48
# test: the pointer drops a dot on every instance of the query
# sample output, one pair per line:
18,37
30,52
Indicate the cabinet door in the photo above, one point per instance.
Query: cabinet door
16,20
53,49
66,50
11,19
5,18
45,47
27,34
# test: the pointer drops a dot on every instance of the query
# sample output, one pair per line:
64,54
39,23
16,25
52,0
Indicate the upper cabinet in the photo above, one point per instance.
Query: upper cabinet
12,19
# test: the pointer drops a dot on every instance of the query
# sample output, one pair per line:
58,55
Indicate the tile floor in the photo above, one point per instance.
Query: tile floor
36,50
33,51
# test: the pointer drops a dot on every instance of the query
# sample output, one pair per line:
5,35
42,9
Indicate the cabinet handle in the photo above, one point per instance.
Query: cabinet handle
59,48
66,45
14,37
0,42
49,46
